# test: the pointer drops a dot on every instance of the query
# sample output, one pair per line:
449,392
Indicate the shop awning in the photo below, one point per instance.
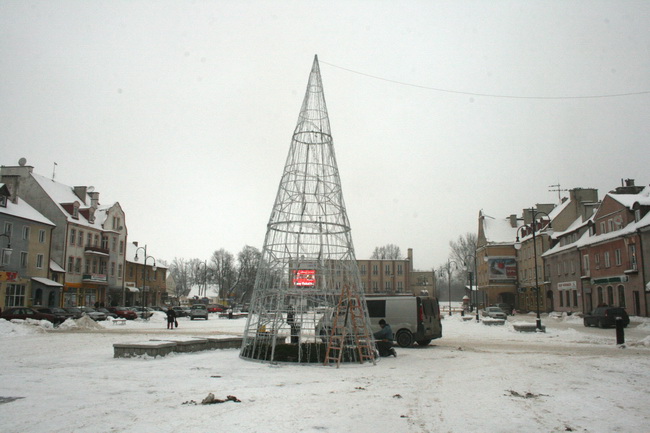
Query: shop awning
47,282
133,289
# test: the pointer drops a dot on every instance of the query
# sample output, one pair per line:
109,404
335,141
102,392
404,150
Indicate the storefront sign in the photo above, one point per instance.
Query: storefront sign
567,285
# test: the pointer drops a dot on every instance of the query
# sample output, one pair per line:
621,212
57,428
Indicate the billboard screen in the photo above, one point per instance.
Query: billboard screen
502,268
304,277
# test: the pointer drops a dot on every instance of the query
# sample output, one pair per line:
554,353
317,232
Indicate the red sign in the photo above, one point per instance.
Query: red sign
8,276
304,277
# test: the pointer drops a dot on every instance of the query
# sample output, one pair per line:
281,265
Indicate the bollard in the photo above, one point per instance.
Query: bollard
620,332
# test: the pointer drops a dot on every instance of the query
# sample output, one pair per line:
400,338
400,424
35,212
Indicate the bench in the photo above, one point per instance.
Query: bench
493,322
119,321
148,348
527,327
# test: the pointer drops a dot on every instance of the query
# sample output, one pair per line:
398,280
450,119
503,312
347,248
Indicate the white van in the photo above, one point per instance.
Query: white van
412,318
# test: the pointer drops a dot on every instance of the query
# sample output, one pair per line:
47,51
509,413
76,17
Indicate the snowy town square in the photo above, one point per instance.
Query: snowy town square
476,378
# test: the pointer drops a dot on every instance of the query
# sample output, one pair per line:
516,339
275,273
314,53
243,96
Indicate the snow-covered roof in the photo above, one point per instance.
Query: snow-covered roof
22,209
54,267
498,231
586,239
628,200
64,194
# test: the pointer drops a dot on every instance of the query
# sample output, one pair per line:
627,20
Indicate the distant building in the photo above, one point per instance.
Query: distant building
25,238
89,240
145,283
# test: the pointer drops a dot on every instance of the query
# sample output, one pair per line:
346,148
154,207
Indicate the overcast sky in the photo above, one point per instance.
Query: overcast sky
183,111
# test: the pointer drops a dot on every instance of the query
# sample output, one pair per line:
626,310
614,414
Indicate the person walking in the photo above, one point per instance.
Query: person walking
171,317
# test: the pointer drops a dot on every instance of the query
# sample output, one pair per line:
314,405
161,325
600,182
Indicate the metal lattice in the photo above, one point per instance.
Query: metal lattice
308,263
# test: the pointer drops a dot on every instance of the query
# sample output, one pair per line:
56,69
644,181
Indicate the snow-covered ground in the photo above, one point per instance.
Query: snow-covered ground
477,378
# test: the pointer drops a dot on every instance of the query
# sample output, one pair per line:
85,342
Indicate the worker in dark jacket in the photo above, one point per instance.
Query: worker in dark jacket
384,339
171,317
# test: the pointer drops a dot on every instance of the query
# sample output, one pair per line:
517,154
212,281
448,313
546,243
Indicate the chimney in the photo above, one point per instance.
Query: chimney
94,199
629,182
410,258
80,191
513,220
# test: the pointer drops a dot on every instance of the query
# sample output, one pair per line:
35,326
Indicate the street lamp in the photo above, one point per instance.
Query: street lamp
144,277
534,212
449,262
471,283
6,252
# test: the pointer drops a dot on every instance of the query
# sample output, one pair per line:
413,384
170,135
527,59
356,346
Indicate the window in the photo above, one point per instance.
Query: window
387,270
96,243
585,263
114,244
575,298
399,270
81,238
15,295
94,266
23,259
607,261
89,240
104,242
8,228
375,269
610,295
610,225
632,254
5,257
77,265
561,299
73,236
617,257
41,236
559,268
119,271
87,266
112,269
637,215
70,264
572,265
122,249
26,233
603,227
363,269
597,260
600,295
39,261
388,286
400,286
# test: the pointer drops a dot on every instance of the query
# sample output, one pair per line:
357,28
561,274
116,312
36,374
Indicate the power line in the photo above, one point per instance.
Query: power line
488,95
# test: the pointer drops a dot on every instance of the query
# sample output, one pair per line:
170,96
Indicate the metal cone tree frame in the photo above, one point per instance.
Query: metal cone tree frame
308,256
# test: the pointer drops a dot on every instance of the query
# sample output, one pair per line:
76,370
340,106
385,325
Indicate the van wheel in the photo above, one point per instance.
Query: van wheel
423,342
404,338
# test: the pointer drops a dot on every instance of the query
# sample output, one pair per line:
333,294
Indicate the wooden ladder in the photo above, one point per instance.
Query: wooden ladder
349,311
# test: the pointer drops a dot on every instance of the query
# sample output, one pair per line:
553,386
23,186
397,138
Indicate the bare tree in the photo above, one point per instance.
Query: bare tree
387,252
223,272
248,259
181,270
463,250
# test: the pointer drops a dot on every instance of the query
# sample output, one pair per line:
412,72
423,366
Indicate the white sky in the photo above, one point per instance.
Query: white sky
183,111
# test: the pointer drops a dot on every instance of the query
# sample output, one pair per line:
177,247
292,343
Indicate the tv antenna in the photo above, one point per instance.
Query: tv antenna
557,188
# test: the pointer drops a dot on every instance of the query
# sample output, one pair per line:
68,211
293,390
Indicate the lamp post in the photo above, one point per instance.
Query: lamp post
144,278
449,262
205,278
534,212
471,283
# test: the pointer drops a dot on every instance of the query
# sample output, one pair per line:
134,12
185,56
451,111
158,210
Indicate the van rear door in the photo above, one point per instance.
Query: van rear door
431,317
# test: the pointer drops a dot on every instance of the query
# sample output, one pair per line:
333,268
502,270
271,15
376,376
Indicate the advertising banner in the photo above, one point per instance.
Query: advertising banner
502,268
304,277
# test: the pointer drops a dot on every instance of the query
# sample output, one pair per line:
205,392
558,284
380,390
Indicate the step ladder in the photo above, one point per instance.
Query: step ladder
349,315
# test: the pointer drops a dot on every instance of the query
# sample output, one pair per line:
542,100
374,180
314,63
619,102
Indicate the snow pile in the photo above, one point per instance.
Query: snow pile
18,327
83,324
644,342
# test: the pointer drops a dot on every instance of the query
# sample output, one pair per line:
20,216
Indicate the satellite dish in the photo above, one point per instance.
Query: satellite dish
90,189
22,162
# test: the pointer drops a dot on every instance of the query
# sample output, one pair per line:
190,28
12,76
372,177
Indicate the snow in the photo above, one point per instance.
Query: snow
476,378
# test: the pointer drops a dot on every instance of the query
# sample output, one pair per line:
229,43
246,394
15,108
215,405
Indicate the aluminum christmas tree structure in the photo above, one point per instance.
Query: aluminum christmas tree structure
308,304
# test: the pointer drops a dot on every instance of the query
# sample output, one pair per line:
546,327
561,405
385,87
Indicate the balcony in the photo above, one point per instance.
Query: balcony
95,278
96,251
632,267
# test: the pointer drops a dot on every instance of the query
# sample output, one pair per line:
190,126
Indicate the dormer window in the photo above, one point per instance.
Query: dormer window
3,201
75,210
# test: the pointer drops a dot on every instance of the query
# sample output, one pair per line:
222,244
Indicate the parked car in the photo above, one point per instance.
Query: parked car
506,308
199,311
75,311
123,312
60,313
29,313
494,313
158,309
186,310
216,308
108,313
179,311
142,312
93,314
604,317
